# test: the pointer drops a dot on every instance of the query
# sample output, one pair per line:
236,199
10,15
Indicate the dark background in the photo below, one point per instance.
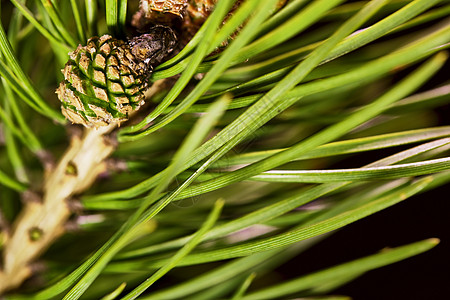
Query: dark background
425,276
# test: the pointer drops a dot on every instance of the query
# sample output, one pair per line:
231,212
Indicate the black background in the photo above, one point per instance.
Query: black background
425,276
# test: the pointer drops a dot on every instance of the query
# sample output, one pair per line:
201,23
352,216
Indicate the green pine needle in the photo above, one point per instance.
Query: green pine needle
270,111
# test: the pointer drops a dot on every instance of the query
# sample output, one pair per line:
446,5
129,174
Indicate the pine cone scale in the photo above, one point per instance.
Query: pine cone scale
99,62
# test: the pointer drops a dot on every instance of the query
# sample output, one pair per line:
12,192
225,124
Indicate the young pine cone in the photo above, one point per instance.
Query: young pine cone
105,80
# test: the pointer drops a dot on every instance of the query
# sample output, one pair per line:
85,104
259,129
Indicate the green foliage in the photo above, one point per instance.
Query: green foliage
261,124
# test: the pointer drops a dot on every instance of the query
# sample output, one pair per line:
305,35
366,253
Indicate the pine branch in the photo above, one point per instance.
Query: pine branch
267,98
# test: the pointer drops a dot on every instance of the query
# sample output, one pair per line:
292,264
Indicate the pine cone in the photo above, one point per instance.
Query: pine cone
106,79
175,7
